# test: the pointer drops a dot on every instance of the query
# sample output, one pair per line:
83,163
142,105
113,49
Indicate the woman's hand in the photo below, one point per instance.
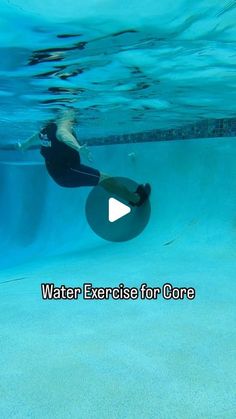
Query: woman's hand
84,150
18,146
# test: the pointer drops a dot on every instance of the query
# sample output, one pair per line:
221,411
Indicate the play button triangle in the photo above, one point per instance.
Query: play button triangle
117,210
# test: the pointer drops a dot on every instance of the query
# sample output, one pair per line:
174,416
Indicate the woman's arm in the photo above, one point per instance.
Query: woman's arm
33,140
65,135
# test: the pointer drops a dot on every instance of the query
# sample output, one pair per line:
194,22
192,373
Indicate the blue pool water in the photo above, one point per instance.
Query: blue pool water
138,69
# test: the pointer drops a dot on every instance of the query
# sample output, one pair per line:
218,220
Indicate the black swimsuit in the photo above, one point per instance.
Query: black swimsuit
63,162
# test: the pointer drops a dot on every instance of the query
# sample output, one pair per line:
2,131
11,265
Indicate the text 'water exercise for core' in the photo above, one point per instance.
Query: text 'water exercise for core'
121,292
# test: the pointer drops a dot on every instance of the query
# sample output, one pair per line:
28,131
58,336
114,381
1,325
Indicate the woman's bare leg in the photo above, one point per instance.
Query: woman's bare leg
113,186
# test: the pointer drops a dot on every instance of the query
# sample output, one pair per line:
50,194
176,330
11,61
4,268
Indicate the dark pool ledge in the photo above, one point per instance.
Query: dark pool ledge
210,128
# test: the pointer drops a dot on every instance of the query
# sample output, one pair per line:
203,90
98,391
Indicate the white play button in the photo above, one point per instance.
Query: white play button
117,210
